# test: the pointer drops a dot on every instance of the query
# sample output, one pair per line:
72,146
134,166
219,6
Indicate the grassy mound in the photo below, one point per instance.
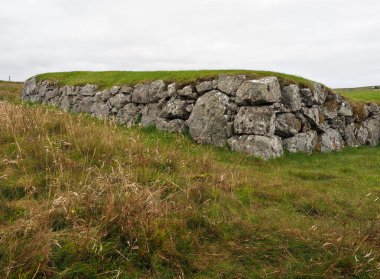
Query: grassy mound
85,198
108,79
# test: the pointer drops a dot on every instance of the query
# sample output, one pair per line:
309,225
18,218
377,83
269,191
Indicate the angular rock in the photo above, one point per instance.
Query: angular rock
176,125
172,89
345,109
372,109
128,115
119,100
175,108
330,109
30,87
291,98
361,135
140,94
255,121
287,125
100,110
187,92
65,104
263,91
349,135
331,140
260,146
157,90
204,86
303,142
126,90
338,123
88,90
85,105
230,84
307,97
150,114
319,93
207,122
373,127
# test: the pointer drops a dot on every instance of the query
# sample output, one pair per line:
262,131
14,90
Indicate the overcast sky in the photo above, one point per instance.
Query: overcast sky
336,42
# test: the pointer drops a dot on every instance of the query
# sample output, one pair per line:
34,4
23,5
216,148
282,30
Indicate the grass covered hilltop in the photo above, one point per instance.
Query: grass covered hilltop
84,198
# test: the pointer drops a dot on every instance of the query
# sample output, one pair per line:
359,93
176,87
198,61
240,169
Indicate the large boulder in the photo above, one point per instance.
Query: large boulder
263,91
287,125
140,94
157,90
303,142
331,140
208,122
255,121
260,146
230,84
291,97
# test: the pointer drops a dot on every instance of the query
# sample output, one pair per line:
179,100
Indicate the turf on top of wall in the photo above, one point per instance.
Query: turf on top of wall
111,78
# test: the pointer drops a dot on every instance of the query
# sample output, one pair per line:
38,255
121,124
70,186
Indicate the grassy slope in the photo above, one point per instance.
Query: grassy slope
108,79
362,94
81,197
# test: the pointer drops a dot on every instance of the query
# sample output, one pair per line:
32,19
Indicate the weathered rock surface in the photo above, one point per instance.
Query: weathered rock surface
331,140
287,125
207,122
262,91
303,142
175,108
291,97
230,84
259,146
255,120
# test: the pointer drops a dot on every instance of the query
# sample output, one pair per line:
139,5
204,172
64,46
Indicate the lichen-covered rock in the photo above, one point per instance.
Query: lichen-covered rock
319,93
30,88
361,135
345,109
255,121
128,115
290,97
259,146
140,94
207,122
175,108
100,109
172,89
372,109
287,125
157,90
331,140
373,127
330,109
302,142
150,114
338,123
349,135
84,105
230,84
176,125
263,91
187,92
205,86
88,90
119,100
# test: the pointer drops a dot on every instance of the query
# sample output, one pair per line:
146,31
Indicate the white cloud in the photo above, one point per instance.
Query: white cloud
335,42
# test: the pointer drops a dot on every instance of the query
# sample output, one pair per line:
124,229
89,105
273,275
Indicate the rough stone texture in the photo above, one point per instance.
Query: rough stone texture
373,127
230,84
287,125
291,97
187,92
331,140
128,115
257,117
176,125
302,142
207,122
259,146
140,94
345,109
176,108
205,86
255,120
263,91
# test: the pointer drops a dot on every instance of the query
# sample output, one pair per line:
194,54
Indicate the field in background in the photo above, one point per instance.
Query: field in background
85,198
361,94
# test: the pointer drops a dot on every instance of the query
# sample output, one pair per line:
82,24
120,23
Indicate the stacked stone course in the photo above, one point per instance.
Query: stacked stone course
259,117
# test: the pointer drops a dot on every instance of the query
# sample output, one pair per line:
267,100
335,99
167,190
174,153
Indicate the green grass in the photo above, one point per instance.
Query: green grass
85,198
111,78
362,94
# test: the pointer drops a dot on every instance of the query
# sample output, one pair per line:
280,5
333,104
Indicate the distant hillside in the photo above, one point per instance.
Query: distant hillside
361,94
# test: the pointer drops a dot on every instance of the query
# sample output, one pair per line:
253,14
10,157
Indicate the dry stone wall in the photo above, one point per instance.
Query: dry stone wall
258,117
